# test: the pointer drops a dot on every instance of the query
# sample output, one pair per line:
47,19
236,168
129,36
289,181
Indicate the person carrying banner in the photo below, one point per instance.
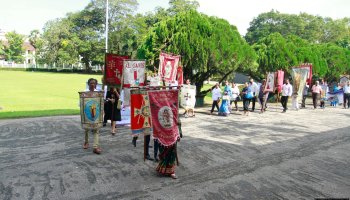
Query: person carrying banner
166,128
189,110
96,146
287,91
216,95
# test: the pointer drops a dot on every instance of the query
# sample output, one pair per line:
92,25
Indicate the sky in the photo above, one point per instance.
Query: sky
26,15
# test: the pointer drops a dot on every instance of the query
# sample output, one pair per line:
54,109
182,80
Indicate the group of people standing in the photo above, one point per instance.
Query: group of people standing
252,93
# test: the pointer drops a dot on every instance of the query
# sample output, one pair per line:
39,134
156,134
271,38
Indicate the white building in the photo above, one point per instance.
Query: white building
29,50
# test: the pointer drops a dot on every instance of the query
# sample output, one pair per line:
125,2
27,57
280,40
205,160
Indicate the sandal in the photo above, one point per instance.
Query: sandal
173,176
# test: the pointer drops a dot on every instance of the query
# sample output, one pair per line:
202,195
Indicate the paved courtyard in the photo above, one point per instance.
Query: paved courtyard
301,154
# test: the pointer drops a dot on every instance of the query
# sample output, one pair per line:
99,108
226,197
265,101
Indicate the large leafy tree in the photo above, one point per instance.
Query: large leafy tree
274,53
36,40
122,32
80,35
306,52
337,59
85,35
314,29
208,46
14,49
57,47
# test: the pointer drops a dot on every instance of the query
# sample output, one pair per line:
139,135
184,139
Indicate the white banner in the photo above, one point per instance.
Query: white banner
134,73
188,96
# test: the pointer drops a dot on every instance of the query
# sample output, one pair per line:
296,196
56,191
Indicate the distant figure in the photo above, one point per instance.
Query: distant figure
216,95
224,108
234,96
255,89
316,92
263,96
305,93
346,90
247,96
287,91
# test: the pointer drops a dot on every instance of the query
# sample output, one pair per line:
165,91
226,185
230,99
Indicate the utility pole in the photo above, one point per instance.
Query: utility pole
106,26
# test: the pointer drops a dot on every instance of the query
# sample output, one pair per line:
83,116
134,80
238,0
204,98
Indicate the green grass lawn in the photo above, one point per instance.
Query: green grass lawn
35,94
32,94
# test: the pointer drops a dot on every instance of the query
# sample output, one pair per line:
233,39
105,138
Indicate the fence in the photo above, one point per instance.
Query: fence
63,67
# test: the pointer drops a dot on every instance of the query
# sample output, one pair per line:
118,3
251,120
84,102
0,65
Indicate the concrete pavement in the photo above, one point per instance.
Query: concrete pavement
295,155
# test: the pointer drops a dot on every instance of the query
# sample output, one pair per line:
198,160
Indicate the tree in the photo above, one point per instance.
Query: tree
306,52
14,50
337,59
314,29
81,34
274,53
177,6
122,33
57,46
208,46
2,50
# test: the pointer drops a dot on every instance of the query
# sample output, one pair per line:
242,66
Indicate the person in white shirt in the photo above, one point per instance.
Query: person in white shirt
286,92
346,90
255,90
216,95
234,95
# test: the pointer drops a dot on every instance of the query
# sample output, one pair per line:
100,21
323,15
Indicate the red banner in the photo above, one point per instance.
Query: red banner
164,106
168,66
114,68
308,66
279,80
180,76
140,112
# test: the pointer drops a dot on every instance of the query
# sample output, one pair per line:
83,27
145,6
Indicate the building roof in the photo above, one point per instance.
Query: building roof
26,45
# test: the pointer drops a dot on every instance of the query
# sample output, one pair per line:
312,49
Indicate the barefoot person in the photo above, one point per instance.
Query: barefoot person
168,157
